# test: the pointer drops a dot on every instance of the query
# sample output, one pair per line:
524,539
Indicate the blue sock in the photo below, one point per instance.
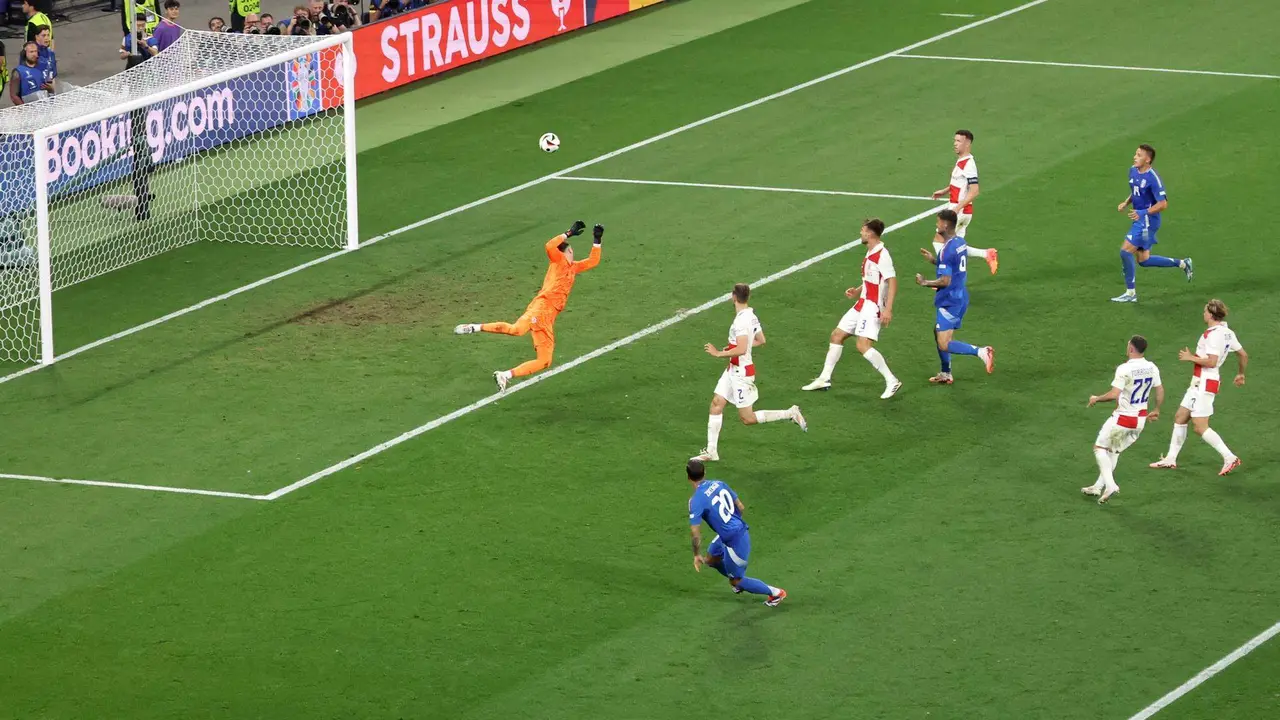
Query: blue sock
961,348
755,587
1159,261
945,358
1130,264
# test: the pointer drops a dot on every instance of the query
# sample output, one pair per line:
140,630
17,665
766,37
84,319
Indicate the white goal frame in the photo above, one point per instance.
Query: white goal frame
41,158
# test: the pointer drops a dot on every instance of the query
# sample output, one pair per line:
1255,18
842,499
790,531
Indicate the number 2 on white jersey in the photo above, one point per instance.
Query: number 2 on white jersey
724,504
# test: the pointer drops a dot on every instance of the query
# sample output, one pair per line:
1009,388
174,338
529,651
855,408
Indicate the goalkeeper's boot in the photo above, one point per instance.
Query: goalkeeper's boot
799,418
502,377
706,456
818,384
466,329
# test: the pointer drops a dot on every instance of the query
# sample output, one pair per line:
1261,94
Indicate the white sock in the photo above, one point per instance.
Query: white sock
1106,464
977,252
1175,443
1212,437
713,433
829,365
874,357
937,248
768,416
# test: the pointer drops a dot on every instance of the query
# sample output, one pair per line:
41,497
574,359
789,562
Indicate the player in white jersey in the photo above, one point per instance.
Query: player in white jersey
1197,405
873,310
1131,390
960,193
737,383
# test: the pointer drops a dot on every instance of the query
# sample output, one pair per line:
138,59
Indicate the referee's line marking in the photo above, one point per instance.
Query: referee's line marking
1089,66
534,380
1207,673
133,486
524,186
760,188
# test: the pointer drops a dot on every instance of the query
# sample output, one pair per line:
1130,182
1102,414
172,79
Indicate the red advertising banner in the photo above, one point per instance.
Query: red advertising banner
450,34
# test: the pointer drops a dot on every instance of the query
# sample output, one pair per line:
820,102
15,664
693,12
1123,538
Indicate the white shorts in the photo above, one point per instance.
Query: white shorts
1199,402
862,323
739,390
1118,439
962,222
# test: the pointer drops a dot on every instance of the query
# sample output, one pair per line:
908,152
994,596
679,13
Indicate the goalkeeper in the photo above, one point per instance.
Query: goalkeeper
540,316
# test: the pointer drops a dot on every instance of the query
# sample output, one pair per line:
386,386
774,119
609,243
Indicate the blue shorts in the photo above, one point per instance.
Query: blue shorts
949,318
735,553
1141,235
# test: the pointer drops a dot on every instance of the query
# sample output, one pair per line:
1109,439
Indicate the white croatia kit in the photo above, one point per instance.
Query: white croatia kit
863,319
738,381
1135,380
1218,340
963,174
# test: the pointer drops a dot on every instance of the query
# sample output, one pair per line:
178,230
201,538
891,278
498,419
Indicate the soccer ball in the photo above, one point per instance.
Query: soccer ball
549,142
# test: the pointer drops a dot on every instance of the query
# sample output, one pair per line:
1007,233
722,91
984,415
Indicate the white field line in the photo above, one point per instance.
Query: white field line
1091,67
959,15
131,486
761,188
1207,673
534,380
527,185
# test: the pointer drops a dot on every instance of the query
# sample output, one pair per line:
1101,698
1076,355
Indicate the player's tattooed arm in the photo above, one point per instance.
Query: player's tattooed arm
941,282
698,561
1108,396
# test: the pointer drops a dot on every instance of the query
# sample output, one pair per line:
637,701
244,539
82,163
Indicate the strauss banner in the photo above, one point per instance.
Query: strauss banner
446,35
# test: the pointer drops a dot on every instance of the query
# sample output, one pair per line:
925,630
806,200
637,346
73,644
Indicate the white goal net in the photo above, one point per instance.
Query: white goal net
221,138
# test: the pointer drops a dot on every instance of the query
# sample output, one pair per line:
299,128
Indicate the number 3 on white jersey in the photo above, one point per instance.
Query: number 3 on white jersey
724,504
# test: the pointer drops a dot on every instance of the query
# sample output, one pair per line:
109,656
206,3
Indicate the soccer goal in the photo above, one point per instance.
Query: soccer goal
223,138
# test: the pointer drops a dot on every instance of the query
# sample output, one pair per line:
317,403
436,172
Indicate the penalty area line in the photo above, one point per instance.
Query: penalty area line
1205,674
757,188
531,183
534,380
133,486
1087,66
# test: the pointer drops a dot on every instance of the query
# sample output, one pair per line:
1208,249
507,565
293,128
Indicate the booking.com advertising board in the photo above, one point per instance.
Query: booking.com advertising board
169,131
450,34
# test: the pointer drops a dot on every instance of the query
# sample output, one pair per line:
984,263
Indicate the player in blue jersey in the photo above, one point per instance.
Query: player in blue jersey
1148,200
951,299
716,503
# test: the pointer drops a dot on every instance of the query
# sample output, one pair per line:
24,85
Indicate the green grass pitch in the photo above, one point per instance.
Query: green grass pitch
530,559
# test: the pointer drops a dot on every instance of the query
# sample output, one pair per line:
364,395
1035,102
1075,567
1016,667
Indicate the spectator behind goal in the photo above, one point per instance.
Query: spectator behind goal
148,44
27,83
168,31
35,21
240,11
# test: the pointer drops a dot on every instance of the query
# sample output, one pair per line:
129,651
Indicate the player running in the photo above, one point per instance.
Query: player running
540,316
951,299
716,503
873,309
1211,352
1131,390
1149,200
961,192
737,383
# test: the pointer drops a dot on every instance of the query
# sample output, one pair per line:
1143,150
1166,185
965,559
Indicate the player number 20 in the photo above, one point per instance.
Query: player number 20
724,503
1141,390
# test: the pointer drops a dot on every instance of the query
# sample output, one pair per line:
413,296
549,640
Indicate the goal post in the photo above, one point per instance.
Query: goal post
221,138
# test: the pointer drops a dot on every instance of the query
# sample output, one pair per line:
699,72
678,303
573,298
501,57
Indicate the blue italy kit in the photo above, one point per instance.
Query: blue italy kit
1145,190
717,504
952,301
